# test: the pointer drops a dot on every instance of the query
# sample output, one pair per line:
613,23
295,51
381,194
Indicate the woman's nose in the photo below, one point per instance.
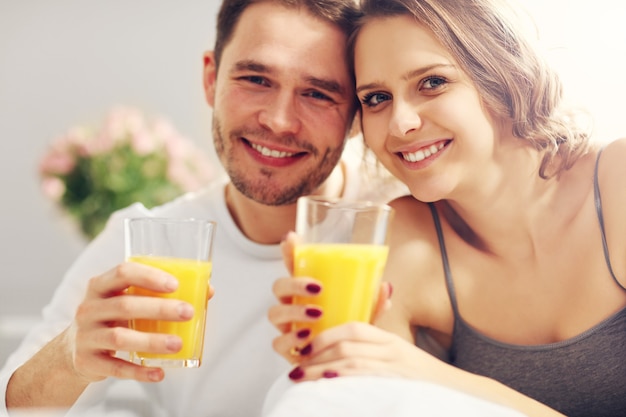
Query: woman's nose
404,119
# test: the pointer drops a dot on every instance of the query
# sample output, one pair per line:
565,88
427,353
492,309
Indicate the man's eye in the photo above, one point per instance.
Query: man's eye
254,79
374,99
319,96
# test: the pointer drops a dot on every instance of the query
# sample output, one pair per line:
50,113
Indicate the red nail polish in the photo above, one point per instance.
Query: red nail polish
313,288
297,373
306,350
390,290
330,374
303,334
313,312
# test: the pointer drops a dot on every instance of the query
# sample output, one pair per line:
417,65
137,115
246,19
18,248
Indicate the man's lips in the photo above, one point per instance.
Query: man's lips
273,153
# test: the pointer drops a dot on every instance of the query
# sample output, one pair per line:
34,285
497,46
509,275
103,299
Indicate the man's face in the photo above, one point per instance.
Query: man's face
281,102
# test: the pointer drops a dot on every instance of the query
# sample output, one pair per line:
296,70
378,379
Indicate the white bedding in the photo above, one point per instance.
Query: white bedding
366,396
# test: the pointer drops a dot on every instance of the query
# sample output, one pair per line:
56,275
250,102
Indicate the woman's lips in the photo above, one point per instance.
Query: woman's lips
424,152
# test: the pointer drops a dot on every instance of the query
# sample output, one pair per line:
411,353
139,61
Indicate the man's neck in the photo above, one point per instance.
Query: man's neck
269,224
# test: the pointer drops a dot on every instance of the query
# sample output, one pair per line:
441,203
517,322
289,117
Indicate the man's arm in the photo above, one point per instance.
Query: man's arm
86,351
47,379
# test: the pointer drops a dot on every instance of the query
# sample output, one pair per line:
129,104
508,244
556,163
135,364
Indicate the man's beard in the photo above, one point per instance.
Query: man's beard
260,190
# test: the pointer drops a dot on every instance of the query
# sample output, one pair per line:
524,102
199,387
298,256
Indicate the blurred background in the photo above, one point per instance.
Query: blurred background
68,62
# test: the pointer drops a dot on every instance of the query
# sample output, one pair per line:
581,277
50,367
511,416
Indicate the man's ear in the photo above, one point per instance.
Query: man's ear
208,77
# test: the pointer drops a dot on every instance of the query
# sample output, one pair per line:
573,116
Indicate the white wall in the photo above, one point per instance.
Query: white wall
586,40
65,62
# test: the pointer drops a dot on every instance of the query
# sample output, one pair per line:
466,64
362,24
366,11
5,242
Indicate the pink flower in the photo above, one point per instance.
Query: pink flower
103,157
122,122
53,188
143,143
162,128
57,162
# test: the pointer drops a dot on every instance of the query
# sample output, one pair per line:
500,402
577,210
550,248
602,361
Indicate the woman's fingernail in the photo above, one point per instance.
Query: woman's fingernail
330,374
306,350
297,373
303,334
313,312
313,288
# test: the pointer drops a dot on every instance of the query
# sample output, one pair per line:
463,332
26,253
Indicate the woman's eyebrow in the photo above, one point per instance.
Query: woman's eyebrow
407,76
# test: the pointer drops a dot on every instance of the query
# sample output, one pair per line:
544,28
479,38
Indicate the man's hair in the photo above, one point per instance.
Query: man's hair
487,38
340,13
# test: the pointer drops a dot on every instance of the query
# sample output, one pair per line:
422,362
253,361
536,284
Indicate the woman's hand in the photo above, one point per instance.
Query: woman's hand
290,343
363,349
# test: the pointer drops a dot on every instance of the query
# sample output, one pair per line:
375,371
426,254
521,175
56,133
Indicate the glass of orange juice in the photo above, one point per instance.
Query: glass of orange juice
343,244
183,248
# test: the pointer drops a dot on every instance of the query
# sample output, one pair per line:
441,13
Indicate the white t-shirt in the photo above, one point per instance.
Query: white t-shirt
239,365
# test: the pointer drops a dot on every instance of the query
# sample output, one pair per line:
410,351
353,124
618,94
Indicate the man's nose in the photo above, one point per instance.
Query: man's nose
281,115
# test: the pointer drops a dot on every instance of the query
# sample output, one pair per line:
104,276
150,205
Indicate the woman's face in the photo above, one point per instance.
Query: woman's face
422,116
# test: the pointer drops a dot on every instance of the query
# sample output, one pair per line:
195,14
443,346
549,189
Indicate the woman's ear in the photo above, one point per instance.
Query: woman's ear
208,77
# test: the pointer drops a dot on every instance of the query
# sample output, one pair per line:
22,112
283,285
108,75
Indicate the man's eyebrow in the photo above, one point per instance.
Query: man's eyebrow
405,77
327,85
250,65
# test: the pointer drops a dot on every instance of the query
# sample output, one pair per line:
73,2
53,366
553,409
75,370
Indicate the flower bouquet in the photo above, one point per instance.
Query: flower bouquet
91,173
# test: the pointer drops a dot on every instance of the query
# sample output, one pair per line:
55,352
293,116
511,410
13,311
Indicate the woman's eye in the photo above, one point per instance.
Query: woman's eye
432,83
374,99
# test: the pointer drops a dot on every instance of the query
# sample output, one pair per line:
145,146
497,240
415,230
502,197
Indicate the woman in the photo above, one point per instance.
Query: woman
505,253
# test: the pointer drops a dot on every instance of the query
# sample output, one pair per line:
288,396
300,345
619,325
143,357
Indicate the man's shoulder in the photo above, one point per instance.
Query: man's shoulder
196,203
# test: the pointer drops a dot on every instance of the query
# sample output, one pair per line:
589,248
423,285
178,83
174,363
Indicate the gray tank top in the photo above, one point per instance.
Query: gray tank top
584,376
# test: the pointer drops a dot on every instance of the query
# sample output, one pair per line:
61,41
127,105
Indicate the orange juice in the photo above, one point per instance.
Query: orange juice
350,274
193,277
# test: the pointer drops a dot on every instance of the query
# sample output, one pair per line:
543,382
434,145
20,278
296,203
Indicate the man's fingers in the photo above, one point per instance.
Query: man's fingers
128,307
126,274
124,339
105,364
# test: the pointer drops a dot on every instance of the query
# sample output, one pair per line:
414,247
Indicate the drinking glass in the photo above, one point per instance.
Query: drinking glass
343,244
183,248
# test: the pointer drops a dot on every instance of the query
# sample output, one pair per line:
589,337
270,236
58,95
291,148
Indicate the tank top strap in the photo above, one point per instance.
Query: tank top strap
444,260
598,203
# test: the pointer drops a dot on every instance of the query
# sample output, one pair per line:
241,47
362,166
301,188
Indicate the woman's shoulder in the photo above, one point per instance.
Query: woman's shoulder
611,194
611,168
613,154
413,233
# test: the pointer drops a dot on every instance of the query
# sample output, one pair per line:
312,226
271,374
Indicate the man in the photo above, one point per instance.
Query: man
283,101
